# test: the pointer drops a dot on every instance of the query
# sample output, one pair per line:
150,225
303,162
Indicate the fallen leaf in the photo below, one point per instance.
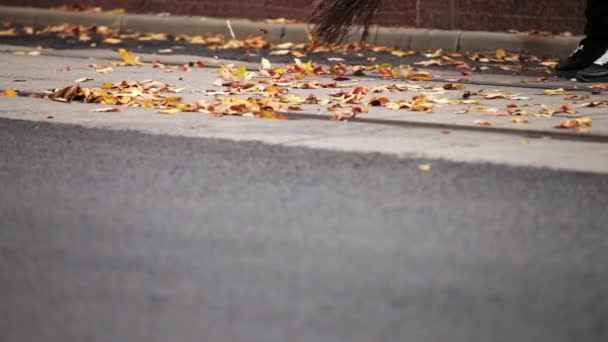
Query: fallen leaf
106,110
558,91
111,40
270,114
266,64
10,92
128,57
279,52
425,167
104,70
82,80
483,123
169,111
501,54
574,123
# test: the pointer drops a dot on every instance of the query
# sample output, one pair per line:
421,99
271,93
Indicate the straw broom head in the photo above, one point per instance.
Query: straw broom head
333,18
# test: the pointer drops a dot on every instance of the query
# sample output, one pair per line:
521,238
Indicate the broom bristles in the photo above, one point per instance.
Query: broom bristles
333,18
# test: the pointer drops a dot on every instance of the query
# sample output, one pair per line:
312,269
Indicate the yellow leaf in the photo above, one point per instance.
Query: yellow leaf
293,99
169,111
10,32
111,40
10,92
425,167
128,57
241,71
501,54
558,91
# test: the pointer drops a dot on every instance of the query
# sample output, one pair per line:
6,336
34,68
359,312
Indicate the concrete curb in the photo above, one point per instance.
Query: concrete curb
400,38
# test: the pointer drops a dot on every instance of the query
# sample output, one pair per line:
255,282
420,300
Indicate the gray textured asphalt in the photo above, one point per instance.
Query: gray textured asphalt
121,236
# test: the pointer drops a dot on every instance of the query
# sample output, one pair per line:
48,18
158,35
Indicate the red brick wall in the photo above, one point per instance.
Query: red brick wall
488,15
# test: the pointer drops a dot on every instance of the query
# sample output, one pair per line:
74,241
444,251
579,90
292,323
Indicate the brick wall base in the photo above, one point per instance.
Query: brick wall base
484,15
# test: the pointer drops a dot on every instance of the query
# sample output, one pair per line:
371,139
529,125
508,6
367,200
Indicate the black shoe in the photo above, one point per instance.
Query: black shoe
597,72
585,54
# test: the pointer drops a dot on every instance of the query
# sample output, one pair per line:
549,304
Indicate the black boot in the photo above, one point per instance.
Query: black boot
583,57
597,72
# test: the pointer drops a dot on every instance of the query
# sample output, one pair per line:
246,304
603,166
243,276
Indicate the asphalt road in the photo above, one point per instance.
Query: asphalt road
122,236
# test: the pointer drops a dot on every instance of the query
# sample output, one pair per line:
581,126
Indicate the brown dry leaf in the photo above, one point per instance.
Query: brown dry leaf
270,114
451,86
483,123
378,101
601,86
519,120
574,123
341,78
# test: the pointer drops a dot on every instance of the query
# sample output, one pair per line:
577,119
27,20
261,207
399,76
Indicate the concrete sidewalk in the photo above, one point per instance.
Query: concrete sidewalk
36,74
449,131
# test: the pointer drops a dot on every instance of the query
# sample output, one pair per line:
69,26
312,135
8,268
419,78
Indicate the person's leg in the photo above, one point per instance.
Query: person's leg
597,20
597,31
595,43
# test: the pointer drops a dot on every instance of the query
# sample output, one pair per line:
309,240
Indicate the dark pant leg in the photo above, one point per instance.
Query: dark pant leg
597,20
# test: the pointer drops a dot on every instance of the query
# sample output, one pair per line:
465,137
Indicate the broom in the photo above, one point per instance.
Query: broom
333,18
